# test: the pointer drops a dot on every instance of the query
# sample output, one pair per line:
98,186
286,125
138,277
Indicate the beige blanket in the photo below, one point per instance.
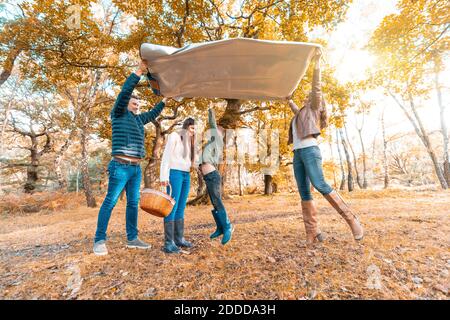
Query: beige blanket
233,68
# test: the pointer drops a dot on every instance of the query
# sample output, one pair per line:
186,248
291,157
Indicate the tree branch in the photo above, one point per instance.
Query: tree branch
432,42
174,115
47,146
253,109
173,125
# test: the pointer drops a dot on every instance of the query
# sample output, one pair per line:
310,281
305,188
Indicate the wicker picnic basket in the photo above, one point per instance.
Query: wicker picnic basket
157,203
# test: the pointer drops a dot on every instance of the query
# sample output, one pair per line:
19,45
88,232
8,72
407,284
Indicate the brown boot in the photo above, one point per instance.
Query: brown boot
309,213
343,209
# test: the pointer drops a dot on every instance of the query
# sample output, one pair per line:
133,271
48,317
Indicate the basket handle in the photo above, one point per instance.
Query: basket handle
170,189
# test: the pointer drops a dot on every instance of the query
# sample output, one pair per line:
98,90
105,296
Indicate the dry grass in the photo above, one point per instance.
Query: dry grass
48,256
42,202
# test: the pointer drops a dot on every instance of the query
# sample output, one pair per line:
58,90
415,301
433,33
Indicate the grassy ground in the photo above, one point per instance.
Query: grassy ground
405,254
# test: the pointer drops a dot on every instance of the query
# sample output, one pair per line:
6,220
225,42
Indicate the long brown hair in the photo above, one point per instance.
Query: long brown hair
188,140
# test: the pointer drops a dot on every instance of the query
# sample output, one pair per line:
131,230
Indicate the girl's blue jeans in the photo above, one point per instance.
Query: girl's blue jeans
308,169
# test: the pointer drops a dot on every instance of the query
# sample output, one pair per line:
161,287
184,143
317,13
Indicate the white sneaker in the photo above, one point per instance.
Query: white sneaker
100,248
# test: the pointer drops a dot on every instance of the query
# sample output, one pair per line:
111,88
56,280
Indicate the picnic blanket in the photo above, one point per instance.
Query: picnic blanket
237,68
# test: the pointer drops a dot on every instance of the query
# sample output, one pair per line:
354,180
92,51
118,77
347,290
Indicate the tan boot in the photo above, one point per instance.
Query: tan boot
309,213
343,209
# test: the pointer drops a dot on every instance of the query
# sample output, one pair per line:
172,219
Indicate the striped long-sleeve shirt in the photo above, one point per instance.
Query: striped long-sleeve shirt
127,128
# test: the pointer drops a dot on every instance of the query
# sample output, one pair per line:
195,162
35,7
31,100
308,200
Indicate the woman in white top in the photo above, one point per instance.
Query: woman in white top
176,163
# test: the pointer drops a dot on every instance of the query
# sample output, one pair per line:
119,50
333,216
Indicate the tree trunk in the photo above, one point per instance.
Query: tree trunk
150,176
241,187
32,178
385,161
364,183
78,181
358,178
267,184
32,169
330,144
349,163
202,194
423,135
201,187
374,142
341,163
90,199
62,182
241,192
35,155
430,150
446,167
231,119
8,64
444,132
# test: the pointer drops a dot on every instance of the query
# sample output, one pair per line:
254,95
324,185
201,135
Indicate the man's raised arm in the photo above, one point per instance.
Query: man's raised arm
121,104
153,113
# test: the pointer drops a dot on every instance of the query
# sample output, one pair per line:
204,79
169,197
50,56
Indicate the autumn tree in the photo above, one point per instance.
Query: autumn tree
80,55
411,46
31,124
180,22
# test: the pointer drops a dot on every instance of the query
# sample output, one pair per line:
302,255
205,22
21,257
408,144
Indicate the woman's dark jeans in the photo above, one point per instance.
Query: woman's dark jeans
307,170
214,187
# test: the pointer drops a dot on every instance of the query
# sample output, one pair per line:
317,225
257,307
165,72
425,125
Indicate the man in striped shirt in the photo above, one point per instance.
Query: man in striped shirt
124,169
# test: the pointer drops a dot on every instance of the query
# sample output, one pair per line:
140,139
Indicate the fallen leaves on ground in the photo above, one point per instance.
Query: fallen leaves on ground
403,256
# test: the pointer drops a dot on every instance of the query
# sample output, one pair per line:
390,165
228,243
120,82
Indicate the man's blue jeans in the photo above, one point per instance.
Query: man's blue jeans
121,176
307,170
180,182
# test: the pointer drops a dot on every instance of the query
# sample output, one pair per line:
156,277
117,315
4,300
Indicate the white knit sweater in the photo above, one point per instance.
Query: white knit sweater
173,157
